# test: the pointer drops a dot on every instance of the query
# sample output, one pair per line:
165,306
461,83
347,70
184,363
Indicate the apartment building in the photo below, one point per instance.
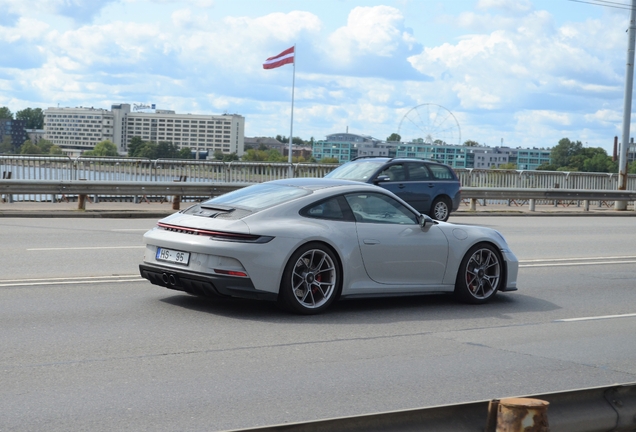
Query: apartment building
346,146
13,130
76,130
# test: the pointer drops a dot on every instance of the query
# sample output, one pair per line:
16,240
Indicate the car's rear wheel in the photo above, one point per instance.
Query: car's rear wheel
311,280
480,274
441,209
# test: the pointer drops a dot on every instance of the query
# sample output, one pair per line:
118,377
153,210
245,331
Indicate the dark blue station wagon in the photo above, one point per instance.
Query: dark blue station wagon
430,187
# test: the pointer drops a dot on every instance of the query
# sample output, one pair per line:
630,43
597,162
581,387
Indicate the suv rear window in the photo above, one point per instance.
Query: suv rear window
441,172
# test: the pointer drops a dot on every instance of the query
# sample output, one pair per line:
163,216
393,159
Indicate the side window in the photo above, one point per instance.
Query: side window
379,208
418,172
394,172
329,209
441,172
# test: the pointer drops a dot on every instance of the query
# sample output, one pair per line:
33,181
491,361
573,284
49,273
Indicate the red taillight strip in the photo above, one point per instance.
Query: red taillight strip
219,235
230,273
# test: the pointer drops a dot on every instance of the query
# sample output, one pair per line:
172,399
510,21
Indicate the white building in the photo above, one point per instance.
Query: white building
76,130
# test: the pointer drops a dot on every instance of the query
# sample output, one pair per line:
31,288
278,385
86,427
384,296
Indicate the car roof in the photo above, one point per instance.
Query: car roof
383,159
316,183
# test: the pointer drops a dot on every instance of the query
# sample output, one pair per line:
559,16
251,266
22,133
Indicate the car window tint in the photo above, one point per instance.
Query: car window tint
259,196
379,208
359,171
418,172
329,209
441,172
395,172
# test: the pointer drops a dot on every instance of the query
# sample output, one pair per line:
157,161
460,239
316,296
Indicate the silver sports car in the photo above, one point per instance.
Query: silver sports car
306,242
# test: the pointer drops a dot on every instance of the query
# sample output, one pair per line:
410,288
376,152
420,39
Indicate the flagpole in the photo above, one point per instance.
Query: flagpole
291,126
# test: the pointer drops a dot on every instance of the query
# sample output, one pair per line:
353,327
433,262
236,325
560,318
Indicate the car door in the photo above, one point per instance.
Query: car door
395,249
416,190
421,188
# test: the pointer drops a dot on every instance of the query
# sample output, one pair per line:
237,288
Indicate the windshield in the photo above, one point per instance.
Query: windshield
358,171
258,197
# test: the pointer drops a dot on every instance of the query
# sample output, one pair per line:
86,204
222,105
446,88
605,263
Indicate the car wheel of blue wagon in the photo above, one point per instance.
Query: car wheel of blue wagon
441,209
311,280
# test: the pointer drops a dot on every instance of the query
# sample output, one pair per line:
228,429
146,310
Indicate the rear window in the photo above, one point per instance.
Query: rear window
259,196
441,172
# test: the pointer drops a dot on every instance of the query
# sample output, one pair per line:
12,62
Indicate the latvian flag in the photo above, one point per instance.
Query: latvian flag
283,58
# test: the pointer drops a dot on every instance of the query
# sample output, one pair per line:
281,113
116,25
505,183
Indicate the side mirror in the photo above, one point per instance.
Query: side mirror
426,221
381,179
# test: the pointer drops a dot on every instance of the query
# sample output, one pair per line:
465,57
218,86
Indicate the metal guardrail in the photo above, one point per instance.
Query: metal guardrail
547,194
139,169
80,187
52,189
596,409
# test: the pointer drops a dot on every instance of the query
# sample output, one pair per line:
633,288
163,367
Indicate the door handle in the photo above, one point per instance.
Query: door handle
371,241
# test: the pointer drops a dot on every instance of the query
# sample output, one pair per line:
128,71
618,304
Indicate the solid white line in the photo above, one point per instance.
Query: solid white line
68,282
575,264
114,277
577,259
87,248
596,318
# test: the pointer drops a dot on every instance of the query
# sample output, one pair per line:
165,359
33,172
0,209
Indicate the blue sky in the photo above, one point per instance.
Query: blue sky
524,73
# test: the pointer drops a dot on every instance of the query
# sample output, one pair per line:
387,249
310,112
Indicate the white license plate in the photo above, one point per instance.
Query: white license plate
173,256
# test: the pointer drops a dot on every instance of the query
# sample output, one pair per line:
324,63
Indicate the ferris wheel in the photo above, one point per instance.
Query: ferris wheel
430,124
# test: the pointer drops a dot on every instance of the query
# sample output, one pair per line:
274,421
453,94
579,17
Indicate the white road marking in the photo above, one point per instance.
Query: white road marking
87,248
579,259
576,264
596,318
131,229
583,261
71,280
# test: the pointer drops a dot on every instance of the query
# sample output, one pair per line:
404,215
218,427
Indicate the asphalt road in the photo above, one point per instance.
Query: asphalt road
87,345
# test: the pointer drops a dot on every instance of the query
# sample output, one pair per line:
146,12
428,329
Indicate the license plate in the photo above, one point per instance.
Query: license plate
173,256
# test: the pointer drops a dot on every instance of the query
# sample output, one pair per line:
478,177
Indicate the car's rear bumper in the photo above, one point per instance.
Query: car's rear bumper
206,285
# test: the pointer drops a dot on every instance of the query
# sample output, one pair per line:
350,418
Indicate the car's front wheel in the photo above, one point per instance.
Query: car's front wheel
311,280
441,209
480,274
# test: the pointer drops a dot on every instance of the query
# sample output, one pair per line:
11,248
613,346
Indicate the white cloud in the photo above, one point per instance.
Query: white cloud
377,31
515,6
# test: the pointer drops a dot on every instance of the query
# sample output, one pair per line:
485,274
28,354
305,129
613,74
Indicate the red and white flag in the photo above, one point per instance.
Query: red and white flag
281,59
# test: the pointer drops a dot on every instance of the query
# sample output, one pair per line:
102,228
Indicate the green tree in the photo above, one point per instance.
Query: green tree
147,150
562,154
135,144
103,148
5,113
509,165
471,143
547,167
6,146
295,140
185,153
34,117
45,146
56,150
28,148
218,155
230,157
166,150
394,138
329,160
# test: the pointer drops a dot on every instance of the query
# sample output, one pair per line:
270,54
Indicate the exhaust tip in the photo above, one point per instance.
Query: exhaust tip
164,278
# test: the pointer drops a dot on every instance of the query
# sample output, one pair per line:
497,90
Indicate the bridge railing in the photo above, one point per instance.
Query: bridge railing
18,167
